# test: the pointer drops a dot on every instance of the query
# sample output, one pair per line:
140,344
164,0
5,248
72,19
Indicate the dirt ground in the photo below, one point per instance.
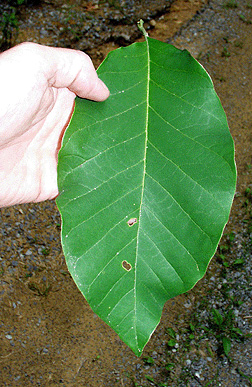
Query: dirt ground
49,336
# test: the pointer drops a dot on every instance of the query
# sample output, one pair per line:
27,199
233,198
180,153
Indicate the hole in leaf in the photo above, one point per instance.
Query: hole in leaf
126,265
132,221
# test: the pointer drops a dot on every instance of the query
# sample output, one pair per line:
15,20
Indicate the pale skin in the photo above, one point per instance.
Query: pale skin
38,85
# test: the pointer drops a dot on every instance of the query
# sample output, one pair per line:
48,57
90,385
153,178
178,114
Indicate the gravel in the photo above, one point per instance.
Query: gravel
86,27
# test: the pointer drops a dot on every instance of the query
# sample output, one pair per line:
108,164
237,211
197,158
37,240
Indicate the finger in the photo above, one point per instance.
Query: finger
74,69
62,67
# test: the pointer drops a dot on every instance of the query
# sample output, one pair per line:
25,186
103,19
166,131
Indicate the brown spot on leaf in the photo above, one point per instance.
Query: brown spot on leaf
132,221
126,265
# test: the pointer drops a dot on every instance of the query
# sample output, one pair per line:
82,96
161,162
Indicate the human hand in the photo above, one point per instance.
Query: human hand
38,85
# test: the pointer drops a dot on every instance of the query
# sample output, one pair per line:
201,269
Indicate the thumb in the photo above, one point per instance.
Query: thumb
86,83
98,91
73,69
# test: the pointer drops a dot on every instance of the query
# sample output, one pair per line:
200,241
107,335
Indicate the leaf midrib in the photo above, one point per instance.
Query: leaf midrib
143,182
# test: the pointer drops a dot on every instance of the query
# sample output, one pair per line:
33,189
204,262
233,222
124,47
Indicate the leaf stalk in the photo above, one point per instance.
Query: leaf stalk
140,25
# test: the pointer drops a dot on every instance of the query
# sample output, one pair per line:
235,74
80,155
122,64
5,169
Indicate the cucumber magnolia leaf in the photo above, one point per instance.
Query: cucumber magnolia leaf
146,183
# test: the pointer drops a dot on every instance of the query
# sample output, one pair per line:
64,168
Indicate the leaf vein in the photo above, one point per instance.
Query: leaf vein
110,290
161,283
144,168
121,299
186,174
104,236
107,264
104,208
192,139
124,318
104,120
174,236
184,211
98,186
164,258
187,102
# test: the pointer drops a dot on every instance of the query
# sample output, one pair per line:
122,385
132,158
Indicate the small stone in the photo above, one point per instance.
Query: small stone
9,337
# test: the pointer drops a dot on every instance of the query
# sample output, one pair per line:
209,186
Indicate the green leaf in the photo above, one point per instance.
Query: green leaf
171,342
226,345
169,366
171,332
146,183
192,327
217,317
148,360
239,261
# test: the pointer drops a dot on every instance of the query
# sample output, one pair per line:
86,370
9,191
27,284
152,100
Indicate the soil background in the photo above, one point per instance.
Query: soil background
49,336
